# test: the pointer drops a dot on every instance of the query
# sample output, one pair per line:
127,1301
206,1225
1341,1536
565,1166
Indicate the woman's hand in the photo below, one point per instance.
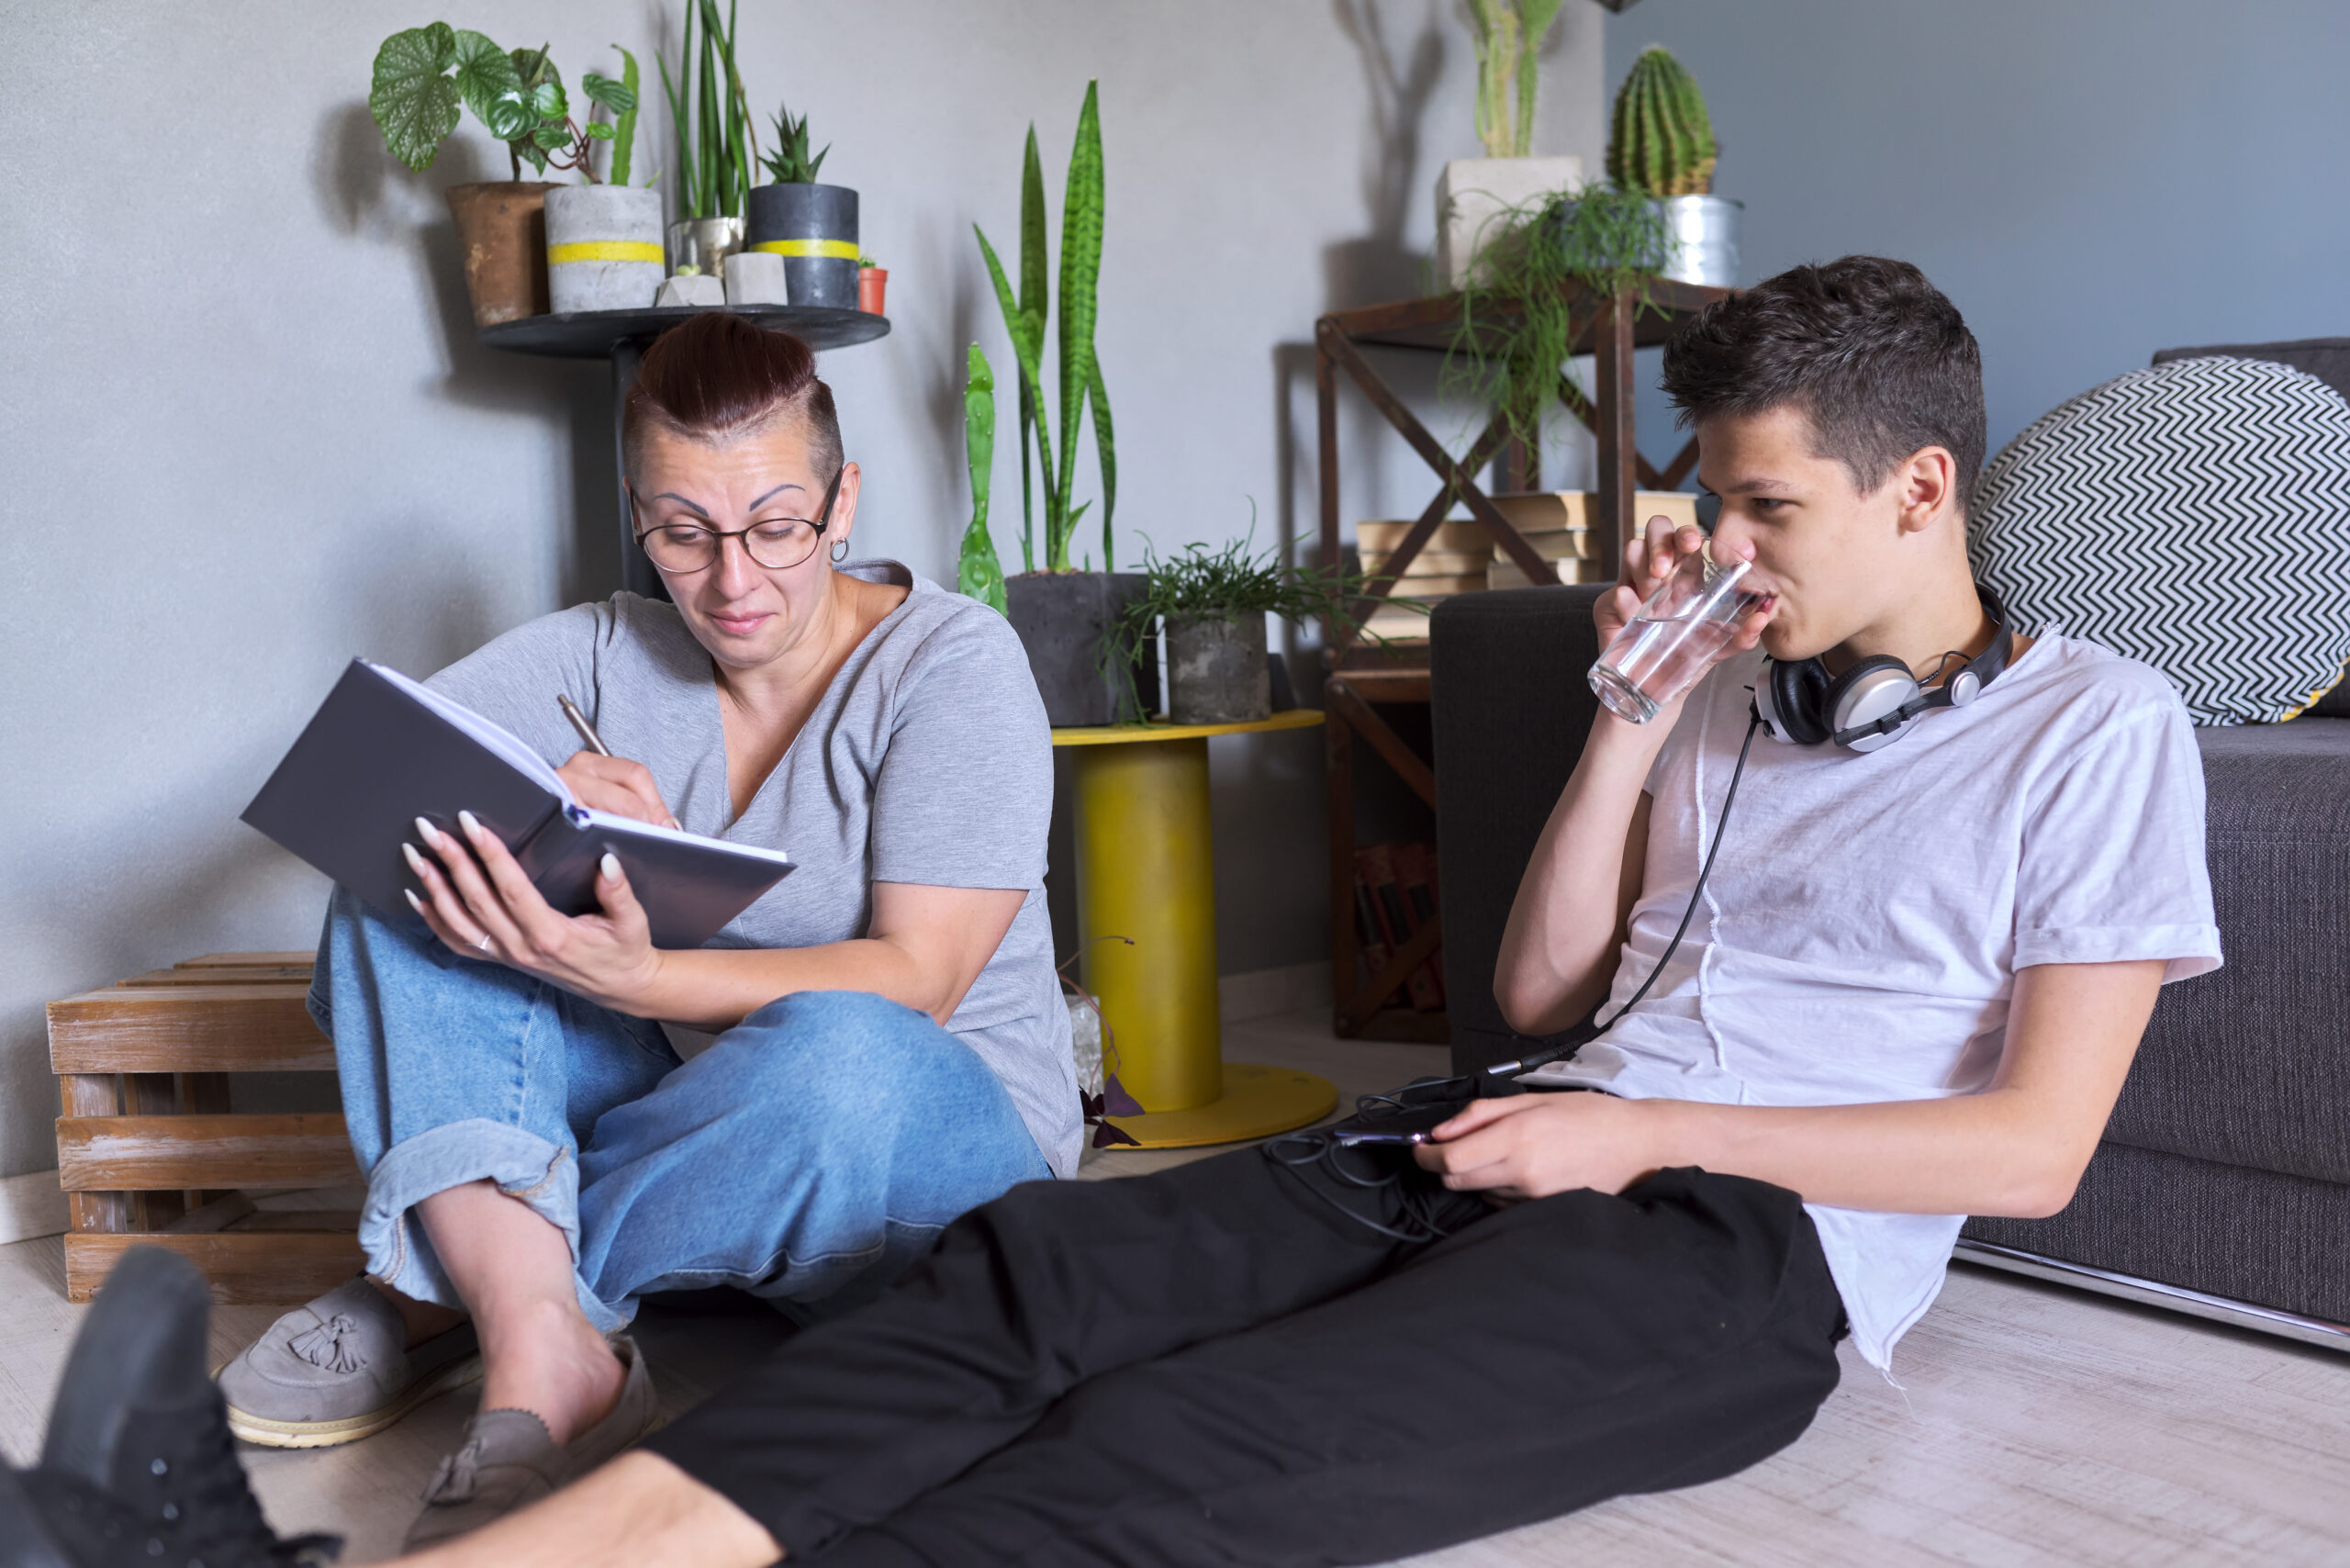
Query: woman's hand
615,784
1530,1145
1648,562
481,905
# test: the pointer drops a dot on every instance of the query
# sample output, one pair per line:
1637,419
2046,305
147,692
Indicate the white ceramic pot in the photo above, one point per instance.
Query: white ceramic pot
603,248
1471,195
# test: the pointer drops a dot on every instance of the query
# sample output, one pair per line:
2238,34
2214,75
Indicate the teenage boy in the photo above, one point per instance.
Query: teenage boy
1911,991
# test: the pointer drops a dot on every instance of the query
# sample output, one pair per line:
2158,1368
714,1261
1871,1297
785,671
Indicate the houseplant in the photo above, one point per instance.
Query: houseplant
872,286
978,573
1213,604
1472,193
812,227
1660,144
604,238
1545,260
717,145
1063,615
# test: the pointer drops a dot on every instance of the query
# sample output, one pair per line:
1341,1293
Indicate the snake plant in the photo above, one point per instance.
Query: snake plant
979,574
1078,368
718,146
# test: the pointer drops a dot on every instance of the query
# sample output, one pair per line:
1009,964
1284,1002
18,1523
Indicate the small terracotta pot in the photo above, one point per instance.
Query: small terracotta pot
502,226
872,288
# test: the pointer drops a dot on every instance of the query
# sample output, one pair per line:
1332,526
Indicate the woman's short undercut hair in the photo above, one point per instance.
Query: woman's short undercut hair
1877,358
715,378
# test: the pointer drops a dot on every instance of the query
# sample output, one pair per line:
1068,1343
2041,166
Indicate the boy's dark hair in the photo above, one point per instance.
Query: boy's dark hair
1878,358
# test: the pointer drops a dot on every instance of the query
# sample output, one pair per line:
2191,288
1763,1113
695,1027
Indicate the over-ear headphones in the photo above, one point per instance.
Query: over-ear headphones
1865,707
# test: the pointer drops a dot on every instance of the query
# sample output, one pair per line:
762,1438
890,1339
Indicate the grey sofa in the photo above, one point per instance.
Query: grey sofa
2222,1185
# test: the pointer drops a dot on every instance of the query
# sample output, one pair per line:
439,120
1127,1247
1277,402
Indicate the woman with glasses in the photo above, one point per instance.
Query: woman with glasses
890,1045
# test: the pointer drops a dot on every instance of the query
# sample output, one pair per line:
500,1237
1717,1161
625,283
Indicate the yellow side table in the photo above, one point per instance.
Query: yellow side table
1145,871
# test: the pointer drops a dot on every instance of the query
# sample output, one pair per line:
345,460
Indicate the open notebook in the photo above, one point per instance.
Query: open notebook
384,750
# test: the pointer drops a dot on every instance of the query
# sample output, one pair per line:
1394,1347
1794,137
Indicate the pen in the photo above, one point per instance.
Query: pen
588,736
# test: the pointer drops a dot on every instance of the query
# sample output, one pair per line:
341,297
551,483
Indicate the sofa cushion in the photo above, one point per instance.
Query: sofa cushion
2195,515
2250,1064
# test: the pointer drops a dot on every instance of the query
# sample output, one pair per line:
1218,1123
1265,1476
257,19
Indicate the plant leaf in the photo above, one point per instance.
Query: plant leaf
1105,450
1081,270
1027,334
488,84
552,136
548,99
601,130
624,124
415,105
527,151
616,96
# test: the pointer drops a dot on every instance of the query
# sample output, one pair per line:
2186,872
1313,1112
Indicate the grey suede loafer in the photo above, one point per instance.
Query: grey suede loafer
509,1460
338,1369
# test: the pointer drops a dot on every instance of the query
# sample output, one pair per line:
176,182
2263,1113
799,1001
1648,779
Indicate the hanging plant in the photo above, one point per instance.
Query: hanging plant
1550,267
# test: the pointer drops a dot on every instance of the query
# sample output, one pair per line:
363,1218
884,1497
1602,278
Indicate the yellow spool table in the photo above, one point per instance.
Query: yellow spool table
1146,871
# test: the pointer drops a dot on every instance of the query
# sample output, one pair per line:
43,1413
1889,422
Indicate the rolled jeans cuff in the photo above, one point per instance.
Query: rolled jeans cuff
525,1166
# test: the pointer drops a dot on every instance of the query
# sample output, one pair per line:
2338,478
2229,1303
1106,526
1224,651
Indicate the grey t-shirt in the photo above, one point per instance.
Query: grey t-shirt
928,760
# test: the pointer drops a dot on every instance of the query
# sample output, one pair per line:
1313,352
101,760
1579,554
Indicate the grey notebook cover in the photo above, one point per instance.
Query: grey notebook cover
382,751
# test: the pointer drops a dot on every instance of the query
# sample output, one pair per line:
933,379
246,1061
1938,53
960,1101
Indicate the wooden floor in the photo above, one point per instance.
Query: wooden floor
2037,1426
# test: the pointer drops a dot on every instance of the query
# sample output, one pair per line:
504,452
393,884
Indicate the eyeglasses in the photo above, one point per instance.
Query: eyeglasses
777,544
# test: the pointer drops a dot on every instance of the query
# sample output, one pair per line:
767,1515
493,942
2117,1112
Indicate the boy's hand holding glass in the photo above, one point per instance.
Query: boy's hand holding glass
1679,611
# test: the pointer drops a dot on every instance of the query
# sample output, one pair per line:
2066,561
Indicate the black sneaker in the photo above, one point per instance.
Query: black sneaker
139,1466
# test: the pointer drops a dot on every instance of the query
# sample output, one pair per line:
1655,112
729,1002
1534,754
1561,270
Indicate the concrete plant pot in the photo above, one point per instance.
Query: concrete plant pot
814,228
603,248
1064,620
1216,670
1472,197
501,224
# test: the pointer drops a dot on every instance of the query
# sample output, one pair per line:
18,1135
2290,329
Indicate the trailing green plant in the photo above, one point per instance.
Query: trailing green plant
1661,142
978,573
789,163
424,74
1545,268
1078,370
1509,36
718,147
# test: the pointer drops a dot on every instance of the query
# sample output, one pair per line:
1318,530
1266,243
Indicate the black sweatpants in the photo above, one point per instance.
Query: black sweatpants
1212,1365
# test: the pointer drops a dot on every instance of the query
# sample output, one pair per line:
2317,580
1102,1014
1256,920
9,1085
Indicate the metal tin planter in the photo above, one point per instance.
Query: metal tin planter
1704,240
502,226
603,248
703,245
814,228
1216,670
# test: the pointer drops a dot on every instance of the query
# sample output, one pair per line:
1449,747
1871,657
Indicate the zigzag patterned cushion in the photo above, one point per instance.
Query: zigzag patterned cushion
2196,516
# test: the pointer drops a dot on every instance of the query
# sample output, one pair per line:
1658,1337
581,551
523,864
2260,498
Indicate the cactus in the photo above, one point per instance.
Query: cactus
1509,34
978,573
1662,143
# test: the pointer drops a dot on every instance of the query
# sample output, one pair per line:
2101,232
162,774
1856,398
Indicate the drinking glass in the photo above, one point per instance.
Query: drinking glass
1661,651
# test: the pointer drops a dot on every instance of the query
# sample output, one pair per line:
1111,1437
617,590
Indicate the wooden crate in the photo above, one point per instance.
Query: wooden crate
149,1152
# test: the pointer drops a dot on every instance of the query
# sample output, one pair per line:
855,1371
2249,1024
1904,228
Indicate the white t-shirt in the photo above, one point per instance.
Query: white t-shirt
1859,937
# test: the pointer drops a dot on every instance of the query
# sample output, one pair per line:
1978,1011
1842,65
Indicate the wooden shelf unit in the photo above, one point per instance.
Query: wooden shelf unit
1359,677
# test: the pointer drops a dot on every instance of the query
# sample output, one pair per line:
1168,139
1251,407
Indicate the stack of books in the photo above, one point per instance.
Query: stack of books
1462,557
1558,524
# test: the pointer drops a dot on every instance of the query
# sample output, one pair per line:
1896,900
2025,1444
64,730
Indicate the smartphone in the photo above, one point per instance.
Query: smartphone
1351,1139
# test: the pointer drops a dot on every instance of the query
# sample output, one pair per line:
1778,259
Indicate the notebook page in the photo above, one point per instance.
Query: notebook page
496,737
652,830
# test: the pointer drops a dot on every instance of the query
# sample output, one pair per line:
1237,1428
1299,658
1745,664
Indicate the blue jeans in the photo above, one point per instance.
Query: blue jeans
811,1154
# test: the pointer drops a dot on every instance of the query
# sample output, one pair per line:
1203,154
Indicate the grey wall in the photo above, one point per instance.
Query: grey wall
247,434
2088,180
